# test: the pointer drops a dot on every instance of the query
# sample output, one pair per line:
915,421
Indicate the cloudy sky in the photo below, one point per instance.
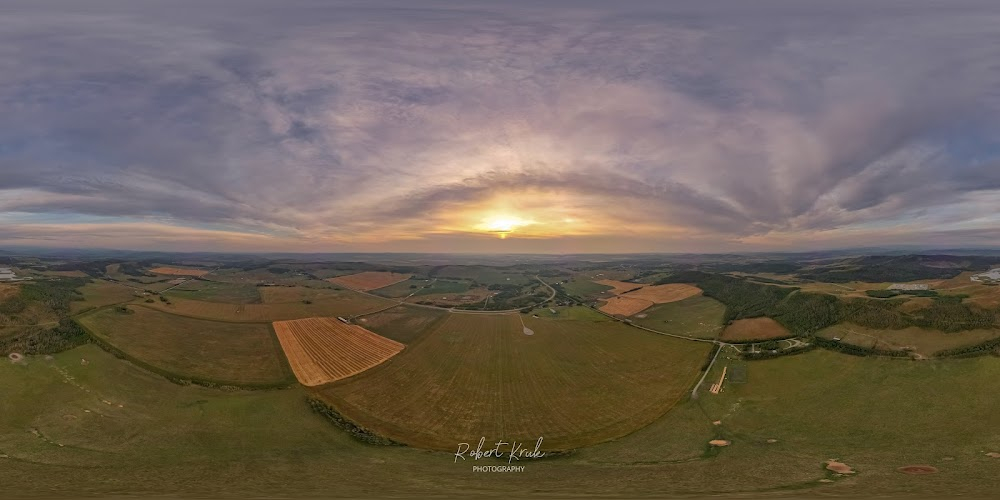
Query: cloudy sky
440,126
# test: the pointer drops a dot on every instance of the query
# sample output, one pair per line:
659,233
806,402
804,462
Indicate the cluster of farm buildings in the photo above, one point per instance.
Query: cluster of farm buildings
7,275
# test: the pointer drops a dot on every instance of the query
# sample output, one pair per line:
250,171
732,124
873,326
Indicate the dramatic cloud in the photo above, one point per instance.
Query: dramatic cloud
610,126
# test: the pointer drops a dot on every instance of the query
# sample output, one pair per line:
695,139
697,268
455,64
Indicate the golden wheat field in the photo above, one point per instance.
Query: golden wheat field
322,350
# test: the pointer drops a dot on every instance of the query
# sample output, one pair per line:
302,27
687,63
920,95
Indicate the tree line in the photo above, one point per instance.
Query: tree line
804,313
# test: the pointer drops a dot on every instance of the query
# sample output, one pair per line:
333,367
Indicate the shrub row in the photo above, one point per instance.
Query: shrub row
356,431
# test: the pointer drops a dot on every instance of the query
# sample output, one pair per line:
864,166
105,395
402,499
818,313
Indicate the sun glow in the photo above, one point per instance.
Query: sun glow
503,225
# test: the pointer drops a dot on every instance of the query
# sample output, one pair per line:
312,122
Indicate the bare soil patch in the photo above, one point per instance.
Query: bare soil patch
838,467
178,271
918,469
369,280
719,442
625,305
754,329
7,291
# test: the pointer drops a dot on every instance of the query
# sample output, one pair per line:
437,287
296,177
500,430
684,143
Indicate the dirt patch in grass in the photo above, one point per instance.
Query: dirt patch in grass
7,291
833,465
754,329
719,442
918,469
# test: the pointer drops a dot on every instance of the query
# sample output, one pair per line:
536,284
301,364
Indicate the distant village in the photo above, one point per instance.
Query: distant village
7,274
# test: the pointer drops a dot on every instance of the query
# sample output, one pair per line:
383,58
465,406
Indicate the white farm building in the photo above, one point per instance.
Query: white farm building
6,274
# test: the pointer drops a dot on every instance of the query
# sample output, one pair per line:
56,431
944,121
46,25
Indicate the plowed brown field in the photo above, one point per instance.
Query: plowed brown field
754,329
627,303
321,350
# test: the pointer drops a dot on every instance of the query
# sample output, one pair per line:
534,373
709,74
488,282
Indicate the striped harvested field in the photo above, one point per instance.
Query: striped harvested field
322,350
573,382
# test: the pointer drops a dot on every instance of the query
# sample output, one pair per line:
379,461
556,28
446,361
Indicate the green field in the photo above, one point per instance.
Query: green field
224,353
573,382
310,292
874,414
578,313
125,431
918,340
484,275
332,303
422,287
697,316
215,291
99,293
255,276
402,323
154,283
583,288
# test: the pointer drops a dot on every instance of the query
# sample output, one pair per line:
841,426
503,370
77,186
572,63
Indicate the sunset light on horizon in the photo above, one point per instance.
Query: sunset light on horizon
559,127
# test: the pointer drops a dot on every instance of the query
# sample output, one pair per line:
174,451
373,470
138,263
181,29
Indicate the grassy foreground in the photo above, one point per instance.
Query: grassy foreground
125,431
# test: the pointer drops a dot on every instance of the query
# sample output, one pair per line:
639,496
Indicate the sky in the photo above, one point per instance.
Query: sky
499,126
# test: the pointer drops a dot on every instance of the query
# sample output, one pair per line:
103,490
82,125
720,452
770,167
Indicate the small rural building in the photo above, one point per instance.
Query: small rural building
908,286
7,274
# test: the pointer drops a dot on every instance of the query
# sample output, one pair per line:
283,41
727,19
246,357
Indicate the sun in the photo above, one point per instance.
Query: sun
503,225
